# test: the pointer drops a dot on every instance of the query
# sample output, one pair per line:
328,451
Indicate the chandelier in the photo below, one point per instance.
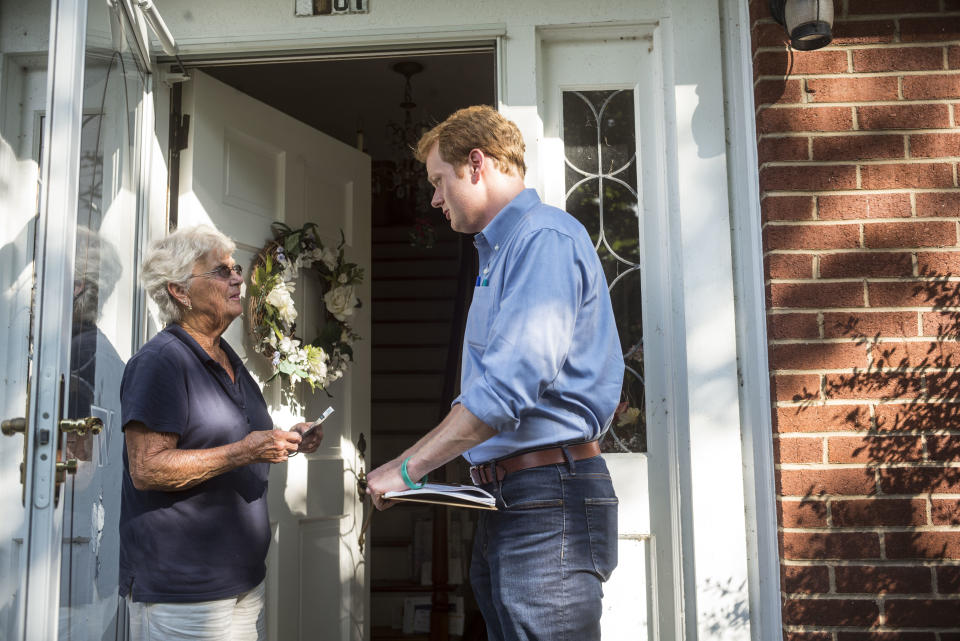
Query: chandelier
408,174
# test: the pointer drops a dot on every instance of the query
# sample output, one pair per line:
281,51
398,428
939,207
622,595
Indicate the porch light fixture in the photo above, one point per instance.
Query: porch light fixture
808,22
405,135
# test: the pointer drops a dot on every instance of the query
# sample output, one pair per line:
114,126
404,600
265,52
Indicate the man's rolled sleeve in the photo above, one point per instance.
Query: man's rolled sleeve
531,332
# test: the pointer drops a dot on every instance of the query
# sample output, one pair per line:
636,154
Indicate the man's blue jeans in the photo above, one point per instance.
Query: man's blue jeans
540,561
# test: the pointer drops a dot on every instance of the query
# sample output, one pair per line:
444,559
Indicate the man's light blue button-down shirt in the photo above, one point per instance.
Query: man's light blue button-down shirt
541,357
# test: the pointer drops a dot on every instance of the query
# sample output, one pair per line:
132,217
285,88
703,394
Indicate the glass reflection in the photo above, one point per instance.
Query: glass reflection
600,154
103,321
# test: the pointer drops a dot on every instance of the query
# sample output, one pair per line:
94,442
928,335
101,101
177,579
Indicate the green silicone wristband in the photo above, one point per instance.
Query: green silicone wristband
406,476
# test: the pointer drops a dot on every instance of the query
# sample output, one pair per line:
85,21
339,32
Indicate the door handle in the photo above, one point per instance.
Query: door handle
13,426
81,426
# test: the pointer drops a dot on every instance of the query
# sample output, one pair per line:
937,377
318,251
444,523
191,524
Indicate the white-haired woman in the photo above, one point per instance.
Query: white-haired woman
194,529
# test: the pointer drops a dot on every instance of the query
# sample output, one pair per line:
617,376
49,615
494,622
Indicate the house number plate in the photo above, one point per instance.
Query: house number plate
331,7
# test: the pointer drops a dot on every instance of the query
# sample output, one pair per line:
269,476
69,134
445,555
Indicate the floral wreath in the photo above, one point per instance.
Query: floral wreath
273,314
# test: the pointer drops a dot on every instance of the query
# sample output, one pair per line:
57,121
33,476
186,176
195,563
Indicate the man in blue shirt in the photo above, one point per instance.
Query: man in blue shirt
541,377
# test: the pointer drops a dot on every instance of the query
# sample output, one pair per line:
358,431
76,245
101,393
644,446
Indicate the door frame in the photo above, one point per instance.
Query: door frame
759,554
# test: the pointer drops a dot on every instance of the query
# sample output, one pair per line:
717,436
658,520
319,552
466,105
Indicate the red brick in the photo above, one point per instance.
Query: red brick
773,149
942,324
899,59
789,266
799,450
853,89
948,579
820,612
916,416
944,204
822,418
778,91
812,236
912,116
807,636
807,579
803,514
787,208
930,29
936,354
874,635
858,32
769,34
953,57
912,234
817,295
945,385
808,178
903,294
793,326
844,482
921,480
874,449
922,612
869,324
936,265
865,206
830,545
778,63
934,145
796,387
947,512
858,147
878,512
945,448
818,119
894,7
865,265
817,356
873,385
883,580
904,176
931,87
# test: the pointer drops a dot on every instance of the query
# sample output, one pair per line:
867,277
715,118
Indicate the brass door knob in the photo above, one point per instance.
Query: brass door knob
13,425
81,426
69,466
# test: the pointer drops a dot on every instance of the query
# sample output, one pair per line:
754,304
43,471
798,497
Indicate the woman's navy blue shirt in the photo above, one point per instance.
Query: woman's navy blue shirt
210,541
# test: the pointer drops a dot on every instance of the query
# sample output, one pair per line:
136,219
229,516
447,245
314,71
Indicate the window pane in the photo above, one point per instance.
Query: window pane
600,159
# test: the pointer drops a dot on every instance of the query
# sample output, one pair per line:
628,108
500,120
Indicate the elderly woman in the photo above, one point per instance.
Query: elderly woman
194,529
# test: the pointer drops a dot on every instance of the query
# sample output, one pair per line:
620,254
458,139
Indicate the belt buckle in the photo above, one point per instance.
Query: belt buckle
476,475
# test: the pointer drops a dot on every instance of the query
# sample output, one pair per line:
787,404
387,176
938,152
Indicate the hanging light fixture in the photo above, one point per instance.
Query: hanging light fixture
808,22
405,135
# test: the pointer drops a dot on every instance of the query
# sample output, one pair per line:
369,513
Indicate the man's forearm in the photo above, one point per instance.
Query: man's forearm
458,432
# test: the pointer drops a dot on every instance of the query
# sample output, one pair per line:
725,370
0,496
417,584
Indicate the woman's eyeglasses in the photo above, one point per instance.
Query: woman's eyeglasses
222,272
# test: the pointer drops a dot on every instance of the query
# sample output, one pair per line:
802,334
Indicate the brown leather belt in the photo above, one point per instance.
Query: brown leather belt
481,474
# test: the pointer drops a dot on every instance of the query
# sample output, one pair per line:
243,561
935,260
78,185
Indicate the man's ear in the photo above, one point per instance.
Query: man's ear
475,163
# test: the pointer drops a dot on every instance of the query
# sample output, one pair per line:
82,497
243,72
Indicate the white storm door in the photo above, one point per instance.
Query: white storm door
246,166
598,94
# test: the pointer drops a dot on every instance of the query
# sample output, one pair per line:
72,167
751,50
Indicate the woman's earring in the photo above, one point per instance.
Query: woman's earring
188,305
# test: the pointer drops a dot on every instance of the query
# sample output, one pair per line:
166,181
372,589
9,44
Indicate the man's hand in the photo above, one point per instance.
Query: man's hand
385,478
271,446
312,441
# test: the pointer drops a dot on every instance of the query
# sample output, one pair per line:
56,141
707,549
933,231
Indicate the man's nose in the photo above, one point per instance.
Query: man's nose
436,201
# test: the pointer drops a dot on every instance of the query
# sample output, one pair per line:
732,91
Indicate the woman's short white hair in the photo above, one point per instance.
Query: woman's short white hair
171,259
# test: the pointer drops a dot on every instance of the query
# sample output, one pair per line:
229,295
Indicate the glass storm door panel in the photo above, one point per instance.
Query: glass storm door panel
70,158
102,324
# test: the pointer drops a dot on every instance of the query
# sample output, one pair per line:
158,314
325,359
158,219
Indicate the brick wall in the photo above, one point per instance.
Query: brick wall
858,147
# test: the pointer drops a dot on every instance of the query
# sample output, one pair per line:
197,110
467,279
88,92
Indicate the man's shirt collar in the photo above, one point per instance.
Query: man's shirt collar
503,224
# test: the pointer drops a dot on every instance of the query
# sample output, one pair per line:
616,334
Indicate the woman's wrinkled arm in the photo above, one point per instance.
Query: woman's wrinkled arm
157,464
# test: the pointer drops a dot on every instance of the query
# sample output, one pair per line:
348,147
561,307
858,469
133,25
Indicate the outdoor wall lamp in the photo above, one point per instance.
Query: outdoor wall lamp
807,21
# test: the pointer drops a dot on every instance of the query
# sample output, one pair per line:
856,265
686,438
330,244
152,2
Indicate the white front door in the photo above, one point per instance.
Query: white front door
246,166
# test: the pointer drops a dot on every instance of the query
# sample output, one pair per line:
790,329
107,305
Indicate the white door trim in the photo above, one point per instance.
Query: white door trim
756,422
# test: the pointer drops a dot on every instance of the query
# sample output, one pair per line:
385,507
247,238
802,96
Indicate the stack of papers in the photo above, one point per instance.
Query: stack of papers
447,494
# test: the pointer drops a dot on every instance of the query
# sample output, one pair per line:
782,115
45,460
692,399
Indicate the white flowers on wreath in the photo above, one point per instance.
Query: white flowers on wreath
273,313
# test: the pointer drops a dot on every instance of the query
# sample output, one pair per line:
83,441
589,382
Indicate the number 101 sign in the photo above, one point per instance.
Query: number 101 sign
331,7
